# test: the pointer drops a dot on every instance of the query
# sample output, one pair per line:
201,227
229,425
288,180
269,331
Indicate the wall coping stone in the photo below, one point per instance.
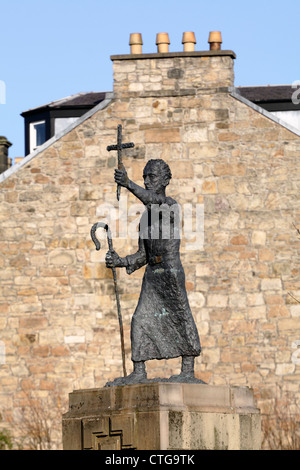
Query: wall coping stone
167,55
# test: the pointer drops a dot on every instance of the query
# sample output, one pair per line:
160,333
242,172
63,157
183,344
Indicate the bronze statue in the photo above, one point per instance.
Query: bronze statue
162,325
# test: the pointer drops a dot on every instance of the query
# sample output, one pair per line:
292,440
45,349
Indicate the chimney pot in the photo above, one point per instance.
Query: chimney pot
135,42
188,41
215,40
162,42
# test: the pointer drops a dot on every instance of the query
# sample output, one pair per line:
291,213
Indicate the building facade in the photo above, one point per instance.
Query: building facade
231,161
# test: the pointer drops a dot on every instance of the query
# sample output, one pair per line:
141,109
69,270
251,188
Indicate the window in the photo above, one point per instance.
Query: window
62,123
37,132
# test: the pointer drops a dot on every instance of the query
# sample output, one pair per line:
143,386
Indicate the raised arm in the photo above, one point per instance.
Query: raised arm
146,196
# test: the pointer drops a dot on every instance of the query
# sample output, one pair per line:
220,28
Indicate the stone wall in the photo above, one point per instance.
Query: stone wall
59,327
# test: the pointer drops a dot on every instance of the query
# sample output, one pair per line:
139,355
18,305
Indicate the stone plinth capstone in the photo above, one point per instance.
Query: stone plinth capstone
162,416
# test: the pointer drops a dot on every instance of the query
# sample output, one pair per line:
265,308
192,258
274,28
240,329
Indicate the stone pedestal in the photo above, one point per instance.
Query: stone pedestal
162,416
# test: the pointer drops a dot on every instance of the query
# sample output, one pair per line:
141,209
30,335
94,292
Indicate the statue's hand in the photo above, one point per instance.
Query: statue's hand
112,259
121,177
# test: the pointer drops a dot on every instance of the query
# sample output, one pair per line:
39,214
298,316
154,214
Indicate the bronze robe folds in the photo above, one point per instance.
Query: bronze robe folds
162,325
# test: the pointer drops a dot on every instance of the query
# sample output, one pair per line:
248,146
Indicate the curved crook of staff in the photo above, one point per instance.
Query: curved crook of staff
110,246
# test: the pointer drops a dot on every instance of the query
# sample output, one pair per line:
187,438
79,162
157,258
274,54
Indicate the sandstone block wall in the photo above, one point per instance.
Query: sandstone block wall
59,327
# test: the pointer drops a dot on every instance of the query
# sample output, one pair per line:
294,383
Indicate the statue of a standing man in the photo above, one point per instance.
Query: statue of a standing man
162,325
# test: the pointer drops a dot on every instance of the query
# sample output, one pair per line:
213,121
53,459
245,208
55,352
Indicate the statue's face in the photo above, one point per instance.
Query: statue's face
153,178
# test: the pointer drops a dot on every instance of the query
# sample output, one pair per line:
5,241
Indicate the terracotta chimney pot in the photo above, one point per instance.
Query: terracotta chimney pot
188,41
135,42
215,40
162,42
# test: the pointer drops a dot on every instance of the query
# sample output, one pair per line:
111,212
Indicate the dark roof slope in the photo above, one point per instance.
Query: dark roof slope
80,100
269,93
272,97
83,99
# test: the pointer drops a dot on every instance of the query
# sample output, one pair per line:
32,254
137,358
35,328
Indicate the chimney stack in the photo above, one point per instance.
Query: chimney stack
188,41
163,73
135,43
215,40
162,42
4,146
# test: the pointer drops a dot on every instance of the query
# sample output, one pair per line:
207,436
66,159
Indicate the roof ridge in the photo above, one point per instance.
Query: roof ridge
263,86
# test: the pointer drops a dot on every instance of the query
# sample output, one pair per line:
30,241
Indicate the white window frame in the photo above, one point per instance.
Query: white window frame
32,135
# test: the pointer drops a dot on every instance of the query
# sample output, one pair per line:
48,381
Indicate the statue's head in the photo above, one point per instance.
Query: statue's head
157,175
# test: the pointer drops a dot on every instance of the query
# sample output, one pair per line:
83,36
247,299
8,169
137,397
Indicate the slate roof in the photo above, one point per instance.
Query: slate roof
79,100
267,94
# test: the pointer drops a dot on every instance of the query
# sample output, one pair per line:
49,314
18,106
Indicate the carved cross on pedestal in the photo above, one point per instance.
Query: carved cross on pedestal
119,147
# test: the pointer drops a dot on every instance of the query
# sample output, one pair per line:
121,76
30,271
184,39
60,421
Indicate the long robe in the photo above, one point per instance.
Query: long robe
162,325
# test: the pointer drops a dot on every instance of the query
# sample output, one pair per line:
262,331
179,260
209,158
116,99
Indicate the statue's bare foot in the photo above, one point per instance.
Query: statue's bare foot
138,376
135,378
131,379
187,374
184,377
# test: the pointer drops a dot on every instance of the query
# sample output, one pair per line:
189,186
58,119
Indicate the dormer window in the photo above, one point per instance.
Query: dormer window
44,122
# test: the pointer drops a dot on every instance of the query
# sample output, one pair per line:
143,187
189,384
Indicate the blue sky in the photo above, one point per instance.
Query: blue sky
52,49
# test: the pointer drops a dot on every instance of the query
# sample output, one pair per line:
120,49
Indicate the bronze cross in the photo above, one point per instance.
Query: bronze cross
119,147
